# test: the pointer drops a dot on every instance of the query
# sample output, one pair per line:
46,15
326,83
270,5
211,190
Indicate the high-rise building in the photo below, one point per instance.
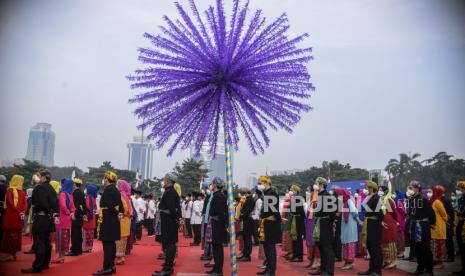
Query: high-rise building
252,180
41,144
216,166
140,157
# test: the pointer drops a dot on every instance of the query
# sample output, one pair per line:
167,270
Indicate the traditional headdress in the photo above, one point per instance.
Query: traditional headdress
111,176
264,179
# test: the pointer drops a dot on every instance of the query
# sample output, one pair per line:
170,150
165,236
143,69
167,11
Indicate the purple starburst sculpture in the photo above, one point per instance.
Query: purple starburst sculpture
205,72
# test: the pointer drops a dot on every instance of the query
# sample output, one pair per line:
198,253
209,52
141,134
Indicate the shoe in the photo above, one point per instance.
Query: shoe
438,266
71,254
205,258
296,260
375,274
262,266
316,272
214,273
365,273
270,274
164,272
244,259
315,266
208,265
391,266
30,270
347,267
57,261
262,272
338,260
308,266
113,269
161,257
416,272
103,272
194,244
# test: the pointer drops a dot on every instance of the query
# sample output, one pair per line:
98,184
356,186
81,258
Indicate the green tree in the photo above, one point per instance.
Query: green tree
189,174
27,169
405,169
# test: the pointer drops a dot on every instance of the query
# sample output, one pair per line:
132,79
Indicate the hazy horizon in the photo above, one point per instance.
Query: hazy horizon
389,77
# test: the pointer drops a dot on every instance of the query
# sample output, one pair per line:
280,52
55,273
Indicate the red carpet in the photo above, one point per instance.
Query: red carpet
142,262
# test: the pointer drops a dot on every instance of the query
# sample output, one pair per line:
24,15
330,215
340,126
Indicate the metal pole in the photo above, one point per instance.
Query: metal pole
229,182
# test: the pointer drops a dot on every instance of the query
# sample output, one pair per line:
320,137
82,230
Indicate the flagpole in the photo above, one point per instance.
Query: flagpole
229,181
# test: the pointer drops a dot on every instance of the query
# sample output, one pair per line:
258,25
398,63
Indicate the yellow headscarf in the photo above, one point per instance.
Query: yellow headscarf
264,179
56,186
178,189
16,183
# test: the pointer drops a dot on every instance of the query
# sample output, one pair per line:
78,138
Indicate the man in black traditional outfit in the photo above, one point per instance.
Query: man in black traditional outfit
170,216
45,214
111,211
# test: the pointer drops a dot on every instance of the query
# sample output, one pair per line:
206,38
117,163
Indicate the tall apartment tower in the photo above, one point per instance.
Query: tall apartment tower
41,144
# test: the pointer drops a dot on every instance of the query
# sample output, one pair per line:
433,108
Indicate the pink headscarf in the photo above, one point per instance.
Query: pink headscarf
345,194
125,190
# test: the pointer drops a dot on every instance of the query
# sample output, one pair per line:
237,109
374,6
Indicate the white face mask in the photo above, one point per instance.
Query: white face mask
103,182
380,193
356,195
162,190
331,192
410,193
316,187
240,195
308,195
365,191
261,187
429,195
291,193
458,192
209,192
453,198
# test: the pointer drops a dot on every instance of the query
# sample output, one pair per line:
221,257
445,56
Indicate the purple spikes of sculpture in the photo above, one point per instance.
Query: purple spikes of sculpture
202,72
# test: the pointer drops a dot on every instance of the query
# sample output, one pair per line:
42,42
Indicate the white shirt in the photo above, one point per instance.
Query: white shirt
140,208
189,209
197,207
151,210
183,209
97,202
257,209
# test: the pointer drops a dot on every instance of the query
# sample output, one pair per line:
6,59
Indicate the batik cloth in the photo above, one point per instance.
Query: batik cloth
62,241
348,252
11,241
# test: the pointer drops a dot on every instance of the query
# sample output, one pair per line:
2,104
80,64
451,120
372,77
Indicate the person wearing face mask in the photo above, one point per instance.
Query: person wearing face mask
408,223
429,194
206,256
372,229
361,250
450,250
45,213
286,225
438,233
297,229
111,211
217,211
401,216
389,228
313,253
247,224
422,218
170,215
460,230
256,215
270,229
240,200
324,231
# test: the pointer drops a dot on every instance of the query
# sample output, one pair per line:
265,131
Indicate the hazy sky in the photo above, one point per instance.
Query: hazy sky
390,78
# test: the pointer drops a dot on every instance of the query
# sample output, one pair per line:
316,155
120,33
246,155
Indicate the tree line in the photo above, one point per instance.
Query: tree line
441,169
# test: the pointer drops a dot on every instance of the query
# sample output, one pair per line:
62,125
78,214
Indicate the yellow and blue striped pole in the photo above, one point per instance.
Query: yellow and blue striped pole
232,213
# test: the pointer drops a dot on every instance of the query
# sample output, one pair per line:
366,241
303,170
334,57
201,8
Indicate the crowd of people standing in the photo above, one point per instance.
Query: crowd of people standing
375,223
